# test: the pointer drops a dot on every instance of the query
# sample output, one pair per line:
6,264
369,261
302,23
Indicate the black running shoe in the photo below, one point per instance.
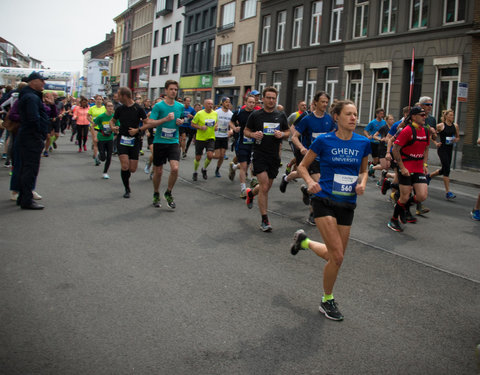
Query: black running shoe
156,200
204,173
306,195
330,309
127,193
170,201
385,185
55,145
298,237
394,225
265,226
409,217
283,184
195,176
311,219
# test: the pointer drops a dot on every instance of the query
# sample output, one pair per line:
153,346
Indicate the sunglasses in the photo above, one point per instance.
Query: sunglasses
428,104
422,114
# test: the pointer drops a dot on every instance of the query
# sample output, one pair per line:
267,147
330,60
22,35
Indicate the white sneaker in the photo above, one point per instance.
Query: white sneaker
106,176
36,196
13,195
147,169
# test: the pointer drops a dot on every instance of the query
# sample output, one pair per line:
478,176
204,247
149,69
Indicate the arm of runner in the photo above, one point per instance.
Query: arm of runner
302,170
297,143
362,177
390,140
457,133
425,161
113,125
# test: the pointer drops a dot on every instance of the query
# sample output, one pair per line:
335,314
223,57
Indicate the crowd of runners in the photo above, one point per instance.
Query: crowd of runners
333,160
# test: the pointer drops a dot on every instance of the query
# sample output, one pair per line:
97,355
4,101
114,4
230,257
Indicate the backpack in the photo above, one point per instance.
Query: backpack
412,141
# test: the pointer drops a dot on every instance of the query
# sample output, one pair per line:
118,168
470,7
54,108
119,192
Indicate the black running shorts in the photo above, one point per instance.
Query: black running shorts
341,211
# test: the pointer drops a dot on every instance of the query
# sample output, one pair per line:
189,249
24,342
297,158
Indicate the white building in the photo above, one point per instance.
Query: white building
167,43
97,74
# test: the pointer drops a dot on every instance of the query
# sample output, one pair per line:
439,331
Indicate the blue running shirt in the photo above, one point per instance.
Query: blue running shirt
311,126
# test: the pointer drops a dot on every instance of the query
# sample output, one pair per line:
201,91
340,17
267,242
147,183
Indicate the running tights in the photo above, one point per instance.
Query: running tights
82,134
105,149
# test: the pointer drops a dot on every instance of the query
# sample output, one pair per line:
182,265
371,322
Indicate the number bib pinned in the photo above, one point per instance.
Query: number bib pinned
449,140
344,184
247,141
168,133
127,141
210,123
270,127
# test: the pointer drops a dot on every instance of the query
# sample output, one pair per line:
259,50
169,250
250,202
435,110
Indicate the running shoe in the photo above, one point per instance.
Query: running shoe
225,157
45,154
55,145
421,209
106,176
298,237
4,156
217,174
311,219
231,172
84,147
409,217
36,196
7,164
283,184
394,225
204,173
195,176
184,155
288,170
371,171
475,215
147,168
141,152
403,216
243,193
385,185
97,162
265,226
330,309
429,178
156,200
151,175
14,196
253,182
379,183
50,149
127,193
450,196
170,201
384,174
249,199
306,195
79,149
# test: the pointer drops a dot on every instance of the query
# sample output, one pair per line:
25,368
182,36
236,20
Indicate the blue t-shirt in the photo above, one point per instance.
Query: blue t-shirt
340,163
311,126
187,122
373,127
168,131
393,129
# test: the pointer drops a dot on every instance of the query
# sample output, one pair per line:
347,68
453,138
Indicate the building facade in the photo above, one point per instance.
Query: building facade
235,54
167,44
198,49
362,50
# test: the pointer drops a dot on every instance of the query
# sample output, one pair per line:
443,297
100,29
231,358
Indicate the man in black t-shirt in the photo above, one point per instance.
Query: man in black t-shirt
268,127
129,114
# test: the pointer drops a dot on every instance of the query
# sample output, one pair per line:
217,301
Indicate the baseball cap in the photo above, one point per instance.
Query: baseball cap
255,92
35,75
416,110
224,99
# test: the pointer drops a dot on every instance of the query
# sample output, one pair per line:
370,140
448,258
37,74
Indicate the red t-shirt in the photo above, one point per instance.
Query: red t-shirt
415,150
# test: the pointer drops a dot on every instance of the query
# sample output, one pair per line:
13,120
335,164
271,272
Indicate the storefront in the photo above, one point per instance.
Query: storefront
139,79
198,87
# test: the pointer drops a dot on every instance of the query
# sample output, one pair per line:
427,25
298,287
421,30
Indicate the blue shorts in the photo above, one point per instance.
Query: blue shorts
244,153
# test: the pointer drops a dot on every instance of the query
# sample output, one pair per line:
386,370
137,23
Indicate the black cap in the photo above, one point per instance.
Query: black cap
416,110
35,75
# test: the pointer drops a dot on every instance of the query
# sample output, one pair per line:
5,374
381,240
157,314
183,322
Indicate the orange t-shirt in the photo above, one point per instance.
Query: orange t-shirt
80,115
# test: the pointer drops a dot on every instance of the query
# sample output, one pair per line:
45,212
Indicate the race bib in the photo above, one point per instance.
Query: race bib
344,184
270,127
210,123
449,140
315,135
168,133
222,129
106,129
185,117
247,141
127,141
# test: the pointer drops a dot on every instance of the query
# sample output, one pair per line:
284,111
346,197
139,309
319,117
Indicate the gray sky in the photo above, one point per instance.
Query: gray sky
56,31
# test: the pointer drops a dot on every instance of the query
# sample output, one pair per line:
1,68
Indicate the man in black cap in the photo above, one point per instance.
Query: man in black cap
31,138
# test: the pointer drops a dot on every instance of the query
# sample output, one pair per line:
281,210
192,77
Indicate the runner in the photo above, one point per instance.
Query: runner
343,156
80,113
244,146
128,139
166,116
105,136
186,129
449,135
93,113
205,121
372,127
51,109
411,154
222,134
268,127
381,136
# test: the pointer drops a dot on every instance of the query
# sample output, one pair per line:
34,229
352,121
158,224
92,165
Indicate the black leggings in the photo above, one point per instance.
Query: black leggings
445,155
105,149
82,134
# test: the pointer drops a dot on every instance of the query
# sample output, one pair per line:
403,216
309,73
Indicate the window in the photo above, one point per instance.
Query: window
360,19
277,83
281,21
418,14
245,53
212,51
354,86
266,33
178,27
311,85
176,63
189,60
203,56
167,34
316,23
213,16
155,38
228,15
446,89
163,65
190,25
205,23
154,67
381,90
297,27
388,14
225,56
196,56
249,8
454,11
331,82
262,82
337,9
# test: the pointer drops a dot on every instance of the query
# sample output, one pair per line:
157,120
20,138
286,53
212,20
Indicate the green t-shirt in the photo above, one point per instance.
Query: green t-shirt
102,123
168,131
95,111
209,119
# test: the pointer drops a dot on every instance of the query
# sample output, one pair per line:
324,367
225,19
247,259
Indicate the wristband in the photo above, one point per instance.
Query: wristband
425,164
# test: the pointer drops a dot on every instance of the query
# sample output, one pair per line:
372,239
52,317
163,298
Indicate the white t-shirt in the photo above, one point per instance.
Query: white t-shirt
223,123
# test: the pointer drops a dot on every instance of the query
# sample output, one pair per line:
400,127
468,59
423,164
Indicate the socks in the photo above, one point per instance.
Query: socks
243,186
265,218
399,207
327,297
304,243
207,163
196,164
125,179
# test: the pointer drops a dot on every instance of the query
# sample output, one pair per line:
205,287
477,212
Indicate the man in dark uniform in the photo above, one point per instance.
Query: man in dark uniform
31,138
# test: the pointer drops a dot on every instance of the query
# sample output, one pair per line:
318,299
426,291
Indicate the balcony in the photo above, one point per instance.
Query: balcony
164,9
226,27
223,69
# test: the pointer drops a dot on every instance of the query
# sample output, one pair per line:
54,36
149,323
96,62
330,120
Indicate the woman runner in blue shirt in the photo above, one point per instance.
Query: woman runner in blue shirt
343,157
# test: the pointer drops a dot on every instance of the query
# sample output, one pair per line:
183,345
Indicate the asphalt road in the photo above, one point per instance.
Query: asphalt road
98,284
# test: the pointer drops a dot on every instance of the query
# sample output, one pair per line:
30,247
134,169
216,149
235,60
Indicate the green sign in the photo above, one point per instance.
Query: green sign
196,82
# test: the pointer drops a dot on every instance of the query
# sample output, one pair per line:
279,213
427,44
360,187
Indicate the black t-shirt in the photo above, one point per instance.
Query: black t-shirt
240,118
382,132
267,122
129,117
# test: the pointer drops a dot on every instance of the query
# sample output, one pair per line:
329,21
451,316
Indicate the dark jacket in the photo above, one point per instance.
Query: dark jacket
33,117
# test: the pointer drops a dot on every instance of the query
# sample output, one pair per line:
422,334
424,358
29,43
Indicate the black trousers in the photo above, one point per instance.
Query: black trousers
30,152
